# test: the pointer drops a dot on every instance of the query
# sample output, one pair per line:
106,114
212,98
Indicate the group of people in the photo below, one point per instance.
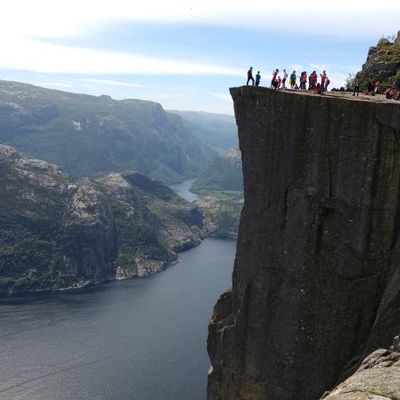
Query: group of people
280,82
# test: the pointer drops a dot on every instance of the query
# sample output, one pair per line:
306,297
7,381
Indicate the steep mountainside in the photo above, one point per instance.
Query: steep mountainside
316,276
89,135
218,131
55,233
224,172
383,64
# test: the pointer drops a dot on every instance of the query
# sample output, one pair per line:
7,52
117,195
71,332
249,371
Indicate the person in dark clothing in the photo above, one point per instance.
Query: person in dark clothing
274,75
258,78
371,88
356,86
250,76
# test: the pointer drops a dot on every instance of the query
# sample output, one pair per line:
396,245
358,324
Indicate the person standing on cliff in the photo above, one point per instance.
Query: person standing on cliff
274,74
327,83
258,78
313,80
285,75
356,86
277,82
250,76
293,80
323,80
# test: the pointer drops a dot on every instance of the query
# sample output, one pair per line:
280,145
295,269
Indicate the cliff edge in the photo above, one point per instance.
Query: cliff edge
316,281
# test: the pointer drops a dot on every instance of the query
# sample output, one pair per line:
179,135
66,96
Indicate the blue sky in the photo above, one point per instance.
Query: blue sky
184,54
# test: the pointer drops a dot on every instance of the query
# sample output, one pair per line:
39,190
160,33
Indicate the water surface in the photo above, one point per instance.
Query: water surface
183,189
141,339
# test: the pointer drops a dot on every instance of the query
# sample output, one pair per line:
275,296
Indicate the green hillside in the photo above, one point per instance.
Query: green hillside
223,174
57,233
218,131
89,136
382,64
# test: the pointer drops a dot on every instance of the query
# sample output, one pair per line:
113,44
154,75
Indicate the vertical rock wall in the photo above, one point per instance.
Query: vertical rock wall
317,264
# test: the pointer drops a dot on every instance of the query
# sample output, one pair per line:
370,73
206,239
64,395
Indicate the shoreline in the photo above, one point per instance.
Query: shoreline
87,284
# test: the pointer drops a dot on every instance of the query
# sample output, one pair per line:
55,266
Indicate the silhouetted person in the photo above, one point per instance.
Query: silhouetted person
258,78
250,76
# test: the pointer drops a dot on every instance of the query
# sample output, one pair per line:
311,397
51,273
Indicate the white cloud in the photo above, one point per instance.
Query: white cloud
52,18
295,67
23,22
28,54
107,82
318,67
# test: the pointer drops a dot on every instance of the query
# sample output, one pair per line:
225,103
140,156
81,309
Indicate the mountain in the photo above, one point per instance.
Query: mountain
89,136
383,64
58,233
218,131
223,173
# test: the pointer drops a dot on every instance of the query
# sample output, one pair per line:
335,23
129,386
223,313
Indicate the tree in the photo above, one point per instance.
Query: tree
349,81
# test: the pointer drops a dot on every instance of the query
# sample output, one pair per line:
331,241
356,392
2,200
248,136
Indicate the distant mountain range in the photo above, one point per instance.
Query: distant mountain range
96,215
92,135
223,173
218,131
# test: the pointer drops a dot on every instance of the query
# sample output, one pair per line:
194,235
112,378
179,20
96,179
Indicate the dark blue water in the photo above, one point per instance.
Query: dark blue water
141,339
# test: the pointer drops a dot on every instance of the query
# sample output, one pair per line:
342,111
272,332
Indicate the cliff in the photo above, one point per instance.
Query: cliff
316,275
56,233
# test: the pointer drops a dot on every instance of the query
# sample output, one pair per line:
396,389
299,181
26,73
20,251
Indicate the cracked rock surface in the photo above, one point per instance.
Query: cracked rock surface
378,378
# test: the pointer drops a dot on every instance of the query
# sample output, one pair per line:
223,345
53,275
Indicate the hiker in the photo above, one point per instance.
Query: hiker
371,88
356,86
274,74
250,76
258,78
327,82
285,75
323,80
303,80
292,80
277,83
313,80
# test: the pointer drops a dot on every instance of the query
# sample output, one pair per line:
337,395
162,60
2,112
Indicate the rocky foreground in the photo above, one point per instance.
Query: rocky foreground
316,281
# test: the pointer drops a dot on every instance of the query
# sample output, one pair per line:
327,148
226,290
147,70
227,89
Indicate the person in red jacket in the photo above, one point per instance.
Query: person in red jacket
313,80
323,80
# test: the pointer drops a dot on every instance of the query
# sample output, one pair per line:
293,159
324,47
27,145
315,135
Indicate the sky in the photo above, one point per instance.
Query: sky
184,54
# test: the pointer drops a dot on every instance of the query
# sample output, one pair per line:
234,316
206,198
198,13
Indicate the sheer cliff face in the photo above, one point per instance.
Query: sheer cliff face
314,281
